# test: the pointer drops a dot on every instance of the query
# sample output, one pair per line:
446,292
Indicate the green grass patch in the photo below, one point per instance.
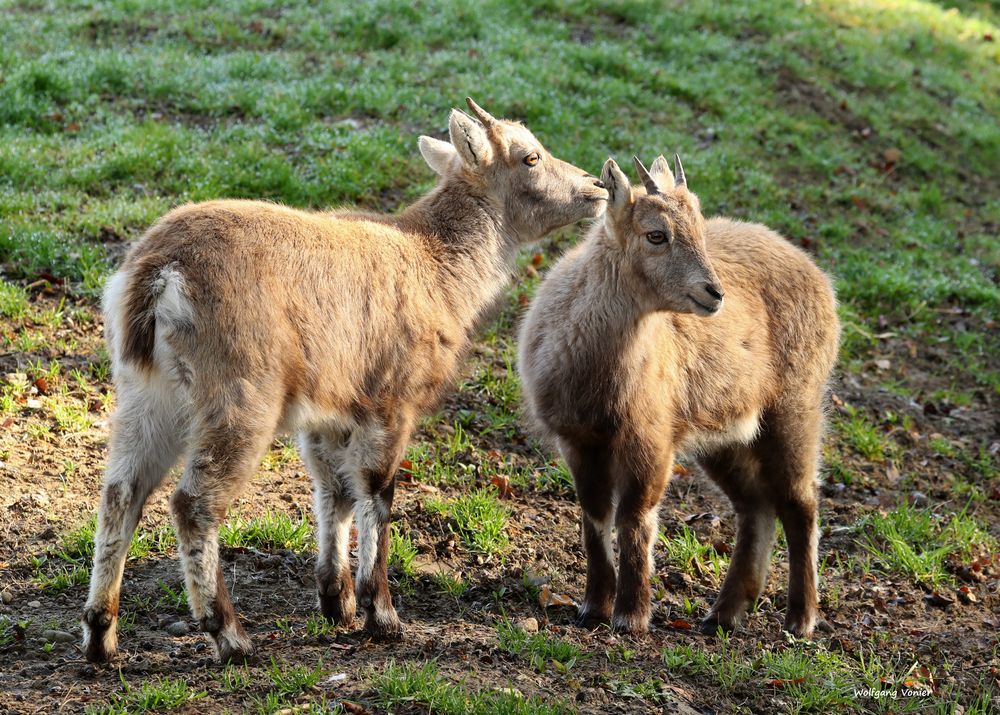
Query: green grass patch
156,695
919,542
404,685
13,301
479,518
691,555
272,530
866,438
77,545
541,649
402,551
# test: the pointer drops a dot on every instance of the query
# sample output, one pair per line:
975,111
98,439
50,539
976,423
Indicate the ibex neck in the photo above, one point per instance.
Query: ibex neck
465,234
619,323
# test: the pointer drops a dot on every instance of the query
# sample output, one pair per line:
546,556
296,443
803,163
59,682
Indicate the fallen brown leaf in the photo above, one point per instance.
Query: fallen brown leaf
502,483
548,599
680,624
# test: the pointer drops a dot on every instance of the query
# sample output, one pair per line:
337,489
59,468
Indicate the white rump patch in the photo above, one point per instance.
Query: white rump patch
743,430
172,305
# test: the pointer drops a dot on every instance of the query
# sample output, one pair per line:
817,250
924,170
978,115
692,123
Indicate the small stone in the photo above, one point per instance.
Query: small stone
178,628
7,597
528,625
918,498
34,604
54,636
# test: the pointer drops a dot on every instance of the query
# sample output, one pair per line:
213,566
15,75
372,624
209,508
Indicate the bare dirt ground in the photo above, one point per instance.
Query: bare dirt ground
49,484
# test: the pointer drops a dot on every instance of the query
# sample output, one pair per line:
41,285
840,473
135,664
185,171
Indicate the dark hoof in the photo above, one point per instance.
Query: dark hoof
232,645
383,631
801,627
590,620
338,610
633,625
712,625
100,640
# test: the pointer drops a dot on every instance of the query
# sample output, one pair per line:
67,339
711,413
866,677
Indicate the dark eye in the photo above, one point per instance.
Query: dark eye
532,158
656,237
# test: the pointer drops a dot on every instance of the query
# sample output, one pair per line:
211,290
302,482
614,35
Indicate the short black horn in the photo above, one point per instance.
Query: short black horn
651,188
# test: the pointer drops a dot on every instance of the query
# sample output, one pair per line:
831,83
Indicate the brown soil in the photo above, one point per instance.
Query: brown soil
889,614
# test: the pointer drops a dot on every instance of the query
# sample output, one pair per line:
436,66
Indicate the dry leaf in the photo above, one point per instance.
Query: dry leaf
503,486
548,599
680,624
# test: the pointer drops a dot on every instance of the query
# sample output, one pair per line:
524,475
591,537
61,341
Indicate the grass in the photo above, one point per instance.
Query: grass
808,680
919,543
402,551
479,518
689,554
271,530
13,301
403,685
156,695
863,436
540,649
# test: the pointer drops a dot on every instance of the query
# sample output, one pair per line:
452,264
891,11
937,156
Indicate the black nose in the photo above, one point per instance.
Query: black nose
599,184
714,291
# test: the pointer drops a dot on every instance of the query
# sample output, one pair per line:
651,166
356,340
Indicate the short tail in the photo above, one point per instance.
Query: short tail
138,312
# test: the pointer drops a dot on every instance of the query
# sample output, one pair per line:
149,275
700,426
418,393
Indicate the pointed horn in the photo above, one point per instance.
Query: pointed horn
482,115
679,178
651,188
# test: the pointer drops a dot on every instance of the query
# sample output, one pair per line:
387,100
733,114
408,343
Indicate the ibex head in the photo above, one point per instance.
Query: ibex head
537,192
661,233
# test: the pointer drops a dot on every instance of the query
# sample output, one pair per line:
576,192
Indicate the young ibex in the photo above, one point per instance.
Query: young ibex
628,356
231,321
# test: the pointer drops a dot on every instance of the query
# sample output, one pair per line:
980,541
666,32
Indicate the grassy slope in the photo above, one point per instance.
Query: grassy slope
867,130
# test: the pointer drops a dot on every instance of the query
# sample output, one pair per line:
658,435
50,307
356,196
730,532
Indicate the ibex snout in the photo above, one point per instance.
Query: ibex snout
707,298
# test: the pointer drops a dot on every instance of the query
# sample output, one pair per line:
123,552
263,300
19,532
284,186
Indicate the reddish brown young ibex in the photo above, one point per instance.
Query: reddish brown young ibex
628,355
231,321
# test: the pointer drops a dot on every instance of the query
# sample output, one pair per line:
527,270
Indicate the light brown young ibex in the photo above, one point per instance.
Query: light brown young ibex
231,321
628,356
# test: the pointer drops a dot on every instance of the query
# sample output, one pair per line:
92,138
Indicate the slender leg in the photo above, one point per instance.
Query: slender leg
224,456
736,471
371,459
145,443
789,454
590,467
644,473
322,454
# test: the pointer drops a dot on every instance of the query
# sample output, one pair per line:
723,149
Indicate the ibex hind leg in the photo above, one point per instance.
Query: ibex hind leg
789,454
146,440
736,470
372,457
323,453
223,457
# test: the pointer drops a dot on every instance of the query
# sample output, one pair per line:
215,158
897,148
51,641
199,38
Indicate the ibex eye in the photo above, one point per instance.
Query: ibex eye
532,158
656,237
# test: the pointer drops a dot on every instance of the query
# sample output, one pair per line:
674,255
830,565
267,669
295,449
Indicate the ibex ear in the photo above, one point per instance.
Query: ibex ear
469,139
437,154
660,171
618,186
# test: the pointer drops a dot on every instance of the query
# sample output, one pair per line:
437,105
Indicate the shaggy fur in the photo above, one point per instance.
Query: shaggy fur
664,333
231,321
